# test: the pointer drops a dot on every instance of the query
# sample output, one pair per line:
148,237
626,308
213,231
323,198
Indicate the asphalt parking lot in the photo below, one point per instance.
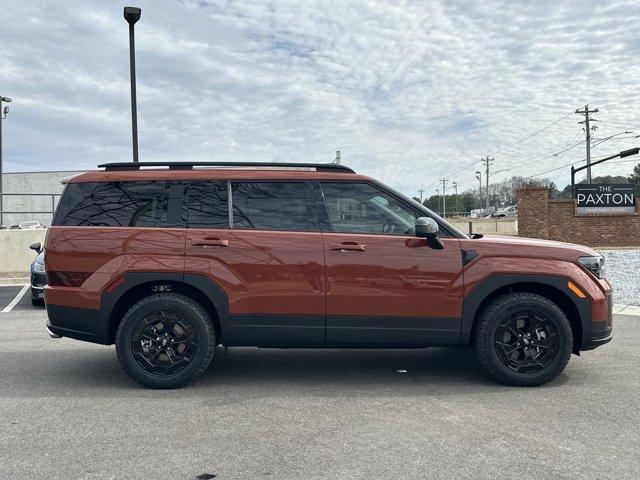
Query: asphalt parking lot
67,412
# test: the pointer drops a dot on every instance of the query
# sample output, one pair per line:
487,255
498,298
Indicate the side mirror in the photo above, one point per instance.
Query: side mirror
37,247
427,227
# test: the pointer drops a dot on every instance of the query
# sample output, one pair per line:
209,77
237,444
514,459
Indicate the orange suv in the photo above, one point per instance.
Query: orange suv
168,260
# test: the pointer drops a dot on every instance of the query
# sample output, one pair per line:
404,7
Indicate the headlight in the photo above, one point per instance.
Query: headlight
594,264
38,267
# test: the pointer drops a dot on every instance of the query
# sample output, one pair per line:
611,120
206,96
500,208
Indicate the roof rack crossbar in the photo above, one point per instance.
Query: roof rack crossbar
320,167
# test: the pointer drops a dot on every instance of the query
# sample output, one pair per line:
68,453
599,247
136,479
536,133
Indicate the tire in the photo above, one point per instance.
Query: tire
171,317
37,302
510,352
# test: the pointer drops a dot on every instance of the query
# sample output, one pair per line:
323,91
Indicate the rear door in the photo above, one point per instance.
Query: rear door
267,256
386,287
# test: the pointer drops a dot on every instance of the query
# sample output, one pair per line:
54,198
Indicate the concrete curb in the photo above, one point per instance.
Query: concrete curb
13,281
620,309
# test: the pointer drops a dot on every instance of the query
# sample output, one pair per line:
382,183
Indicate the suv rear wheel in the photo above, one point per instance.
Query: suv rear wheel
523,339
165,340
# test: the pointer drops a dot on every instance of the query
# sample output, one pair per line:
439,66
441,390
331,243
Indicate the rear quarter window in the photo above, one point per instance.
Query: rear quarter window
113,204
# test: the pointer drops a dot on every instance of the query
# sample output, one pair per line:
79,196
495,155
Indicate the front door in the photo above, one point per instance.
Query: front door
386,287
267,258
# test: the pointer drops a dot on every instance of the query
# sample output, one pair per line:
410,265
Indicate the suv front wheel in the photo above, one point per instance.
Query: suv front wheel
523,339
165,340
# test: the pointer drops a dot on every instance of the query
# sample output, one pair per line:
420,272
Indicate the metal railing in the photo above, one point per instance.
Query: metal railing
16,214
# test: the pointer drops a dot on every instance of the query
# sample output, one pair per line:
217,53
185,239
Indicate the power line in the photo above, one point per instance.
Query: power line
518,142
615,100
531,135
578,161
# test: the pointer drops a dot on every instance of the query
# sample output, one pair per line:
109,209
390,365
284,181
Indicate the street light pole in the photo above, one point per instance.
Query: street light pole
132,15
623,154
479,177
455,186
3,115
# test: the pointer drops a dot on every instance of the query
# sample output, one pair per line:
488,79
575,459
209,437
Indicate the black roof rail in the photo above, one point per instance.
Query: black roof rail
131,166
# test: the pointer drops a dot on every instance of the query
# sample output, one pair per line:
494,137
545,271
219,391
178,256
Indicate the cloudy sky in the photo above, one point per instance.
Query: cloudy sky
409,91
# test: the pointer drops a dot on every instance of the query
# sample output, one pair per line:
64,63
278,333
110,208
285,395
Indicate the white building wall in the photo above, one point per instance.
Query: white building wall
27,184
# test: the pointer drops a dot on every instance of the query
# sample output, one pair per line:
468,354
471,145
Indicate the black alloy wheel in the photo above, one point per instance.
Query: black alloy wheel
526,341
165,340
523,339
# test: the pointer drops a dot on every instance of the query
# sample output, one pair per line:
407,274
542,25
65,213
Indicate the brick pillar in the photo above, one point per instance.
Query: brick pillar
533,212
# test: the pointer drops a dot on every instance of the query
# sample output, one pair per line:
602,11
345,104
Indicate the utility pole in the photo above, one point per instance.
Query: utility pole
421,192
479,177
444,197
3,115
337,159
455,186
438,197
487,161
587,130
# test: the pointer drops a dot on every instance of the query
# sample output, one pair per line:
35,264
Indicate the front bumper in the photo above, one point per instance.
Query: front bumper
601,331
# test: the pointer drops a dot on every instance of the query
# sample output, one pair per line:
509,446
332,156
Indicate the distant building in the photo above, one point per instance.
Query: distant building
31,186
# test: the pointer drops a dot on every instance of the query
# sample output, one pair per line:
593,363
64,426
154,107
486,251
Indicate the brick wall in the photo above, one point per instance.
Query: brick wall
539,217
533,212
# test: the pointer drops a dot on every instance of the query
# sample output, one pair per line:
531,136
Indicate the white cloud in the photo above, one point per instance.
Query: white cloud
409,91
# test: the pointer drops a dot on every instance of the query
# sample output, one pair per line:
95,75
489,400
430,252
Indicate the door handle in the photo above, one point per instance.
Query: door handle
211,242
348,247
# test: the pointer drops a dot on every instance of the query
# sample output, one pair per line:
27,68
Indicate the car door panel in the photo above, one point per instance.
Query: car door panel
273,280
386,289
396,291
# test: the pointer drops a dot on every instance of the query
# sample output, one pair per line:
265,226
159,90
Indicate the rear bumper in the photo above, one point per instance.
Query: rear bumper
79,323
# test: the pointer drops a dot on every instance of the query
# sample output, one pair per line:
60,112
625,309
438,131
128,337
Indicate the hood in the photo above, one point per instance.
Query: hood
528,247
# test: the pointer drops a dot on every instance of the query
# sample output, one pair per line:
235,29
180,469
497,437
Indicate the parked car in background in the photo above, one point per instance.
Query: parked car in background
37,275
169,262
510,211
31,225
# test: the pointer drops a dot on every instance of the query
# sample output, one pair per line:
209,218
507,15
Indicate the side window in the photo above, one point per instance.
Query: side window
207,206
273,206
113,204
364,208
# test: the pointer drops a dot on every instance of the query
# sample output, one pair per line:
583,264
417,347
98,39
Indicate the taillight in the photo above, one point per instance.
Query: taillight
66,279
115,284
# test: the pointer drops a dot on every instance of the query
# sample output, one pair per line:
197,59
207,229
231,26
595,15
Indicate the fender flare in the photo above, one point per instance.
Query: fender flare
214,293
474,299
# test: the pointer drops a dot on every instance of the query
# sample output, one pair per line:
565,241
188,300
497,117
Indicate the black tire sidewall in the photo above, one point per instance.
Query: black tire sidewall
203,330
535,303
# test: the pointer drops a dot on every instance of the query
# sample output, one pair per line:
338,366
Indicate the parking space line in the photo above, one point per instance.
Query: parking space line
20,294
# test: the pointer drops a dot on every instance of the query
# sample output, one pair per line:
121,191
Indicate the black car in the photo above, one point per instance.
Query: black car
38,276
